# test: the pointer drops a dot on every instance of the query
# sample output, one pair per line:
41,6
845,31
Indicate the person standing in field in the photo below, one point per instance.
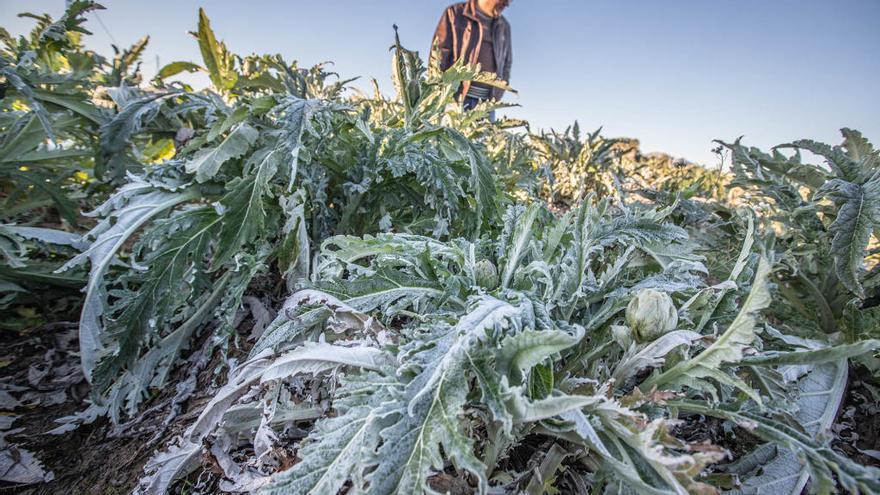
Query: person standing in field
476,32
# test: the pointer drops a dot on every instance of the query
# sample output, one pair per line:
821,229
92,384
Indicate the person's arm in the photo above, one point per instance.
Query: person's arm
443,41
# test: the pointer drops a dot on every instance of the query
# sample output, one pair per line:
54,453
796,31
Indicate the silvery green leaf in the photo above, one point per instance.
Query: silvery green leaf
311,358
651,355
525,410
482,180
741,262
294,114
545,475
11,249
124,214
815,356
296,248
411,448
349,250
309,308
858,215
521,233
820,393
244,217
207,162
519,352
585,429
137,108
164,468
51,236
340,448
241,379
20,466
317,357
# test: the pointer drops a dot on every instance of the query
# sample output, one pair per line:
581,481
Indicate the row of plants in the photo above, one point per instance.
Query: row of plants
388,304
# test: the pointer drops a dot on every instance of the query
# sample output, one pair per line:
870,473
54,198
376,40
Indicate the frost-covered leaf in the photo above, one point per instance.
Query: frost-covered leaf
651,355
295,251
545,475
165,467
173,267
20,466
207,162
820,392
51,236
814,356
482,181
525,410
339,448
519,353
424,421
244,214
124,214
295,114
520,235
595,229
309,308
857,217
316,357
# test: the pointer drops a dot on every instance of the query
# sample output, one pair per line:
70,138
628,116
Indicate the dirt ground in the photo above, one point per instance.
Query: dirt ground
93,459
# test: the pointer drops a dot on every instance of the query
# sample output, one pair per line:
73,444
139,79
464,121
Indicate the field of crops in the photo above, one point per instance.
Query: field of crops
278,285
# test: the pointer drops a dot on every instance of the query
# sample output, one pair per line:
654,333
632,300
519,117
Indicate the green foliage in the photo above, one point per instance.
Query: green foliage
220,206
576,166
47,120
415,414
219,61
828,214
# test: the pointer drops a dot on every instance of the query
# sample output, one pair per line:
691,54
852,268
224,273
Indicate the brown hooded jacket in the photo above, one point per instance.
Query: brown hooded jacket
459,36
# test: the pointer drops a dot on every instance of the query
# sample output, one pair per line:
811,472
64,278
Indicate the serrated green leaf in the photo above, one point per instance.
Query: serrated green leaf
815,356
244,216
859,212
206,163
520,237
520,352
219,61
139,204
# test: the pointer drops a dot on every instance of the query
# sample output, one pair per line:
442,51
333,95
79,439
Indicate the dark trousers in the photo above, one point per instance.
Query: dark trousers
470,102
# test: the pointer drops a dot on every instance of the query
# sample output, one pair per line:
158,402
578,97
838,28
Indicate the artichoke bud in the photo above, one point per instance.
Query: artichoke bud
650,314
485,274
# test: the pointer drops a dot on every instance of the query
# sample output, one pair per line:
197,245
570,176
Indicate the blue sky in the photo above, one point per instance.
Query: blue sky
674,74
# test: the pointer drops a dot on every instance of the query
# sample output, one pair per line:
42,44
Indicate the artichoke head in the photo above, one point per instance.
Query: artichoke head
486,274
650,314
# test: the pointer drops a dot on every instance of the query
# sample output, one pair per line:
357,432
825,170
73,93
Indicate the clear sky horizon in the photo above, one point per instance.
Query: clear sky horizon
674,74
